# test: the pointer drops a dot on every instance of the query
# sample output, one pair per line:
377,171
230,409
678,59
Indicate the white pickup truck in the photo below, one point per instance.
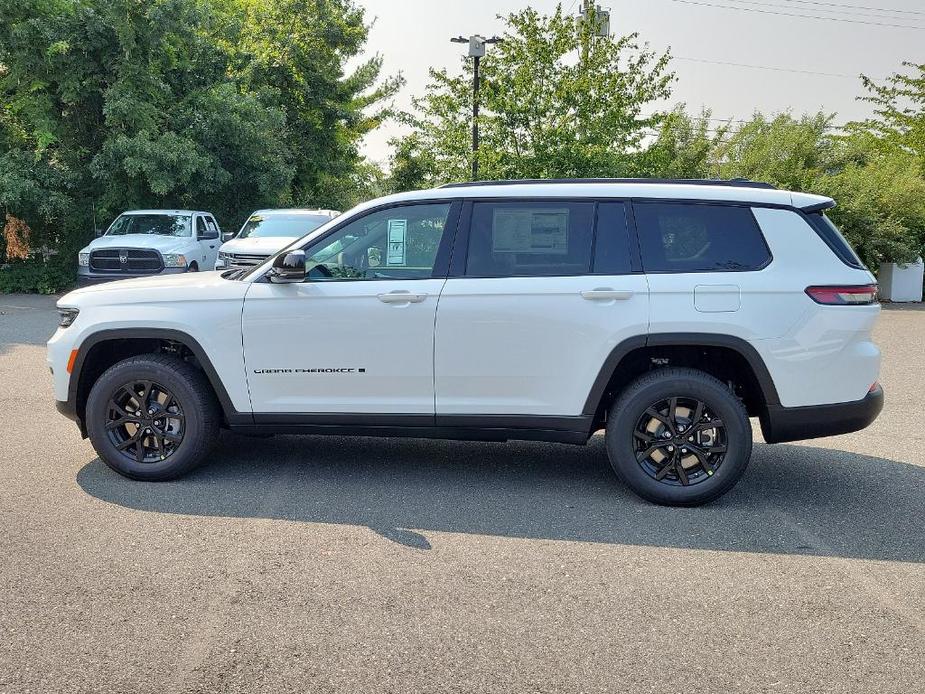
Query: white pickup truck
151,242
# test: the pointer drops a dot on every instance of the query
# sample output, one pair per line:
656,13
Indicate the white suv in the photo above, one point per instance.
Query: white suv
667,313
150,242
267,231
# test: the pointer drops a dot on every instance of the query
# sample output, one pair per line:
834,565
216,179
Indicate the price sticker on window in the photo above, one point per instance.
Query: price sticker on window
398,231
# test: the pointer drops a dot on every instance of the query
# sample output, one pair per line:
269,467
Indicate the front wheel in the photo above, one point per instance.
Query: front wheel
678,437
152,417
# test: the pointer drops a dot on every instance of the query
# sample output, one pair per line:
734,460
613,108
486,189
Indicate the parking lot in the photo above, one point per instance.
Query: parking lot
350,564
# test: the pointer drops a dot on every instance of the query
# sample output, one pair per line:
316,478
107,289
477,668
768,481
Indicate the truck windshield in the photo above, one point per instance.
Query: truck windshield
159,224
295,225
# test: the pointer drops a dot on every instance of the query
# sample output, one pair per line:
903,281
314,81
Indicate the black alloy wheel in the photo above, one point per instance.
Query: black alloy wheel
144,421
153,417
678,436
680,441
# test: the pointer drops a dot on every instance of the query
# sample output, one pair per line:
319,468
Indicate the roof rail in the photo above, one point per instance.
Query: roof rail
732,183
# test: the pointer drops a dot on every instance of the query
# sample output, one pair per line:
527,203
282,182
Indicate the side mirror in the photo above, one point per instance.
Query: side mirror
97,232
288,268
227,236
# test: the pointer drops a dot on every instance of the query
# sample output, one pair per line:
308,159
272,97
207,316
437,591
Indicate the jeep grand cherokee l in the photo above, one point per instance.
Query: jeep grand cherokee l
665,313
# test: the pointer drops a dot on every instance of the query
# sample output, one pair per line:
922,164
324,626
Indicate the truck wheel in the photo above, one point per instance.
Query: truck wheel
152,417
678,437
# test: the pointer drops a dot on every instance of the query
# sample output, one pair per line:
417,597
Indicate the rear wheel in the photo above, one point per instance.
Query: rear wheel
678,437
152,417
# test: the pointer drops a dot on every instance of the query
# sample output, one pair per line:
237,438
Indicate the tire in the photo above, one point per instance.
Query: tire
185,432
711,456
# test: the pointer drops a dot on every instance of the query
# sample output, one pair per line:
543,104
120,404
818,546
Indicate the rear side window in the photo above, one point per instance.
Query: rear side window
516,239
834,240
691,237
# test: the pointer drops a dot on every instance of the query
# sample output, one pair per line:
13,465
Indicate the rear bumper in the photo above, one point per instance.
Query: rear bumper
782,424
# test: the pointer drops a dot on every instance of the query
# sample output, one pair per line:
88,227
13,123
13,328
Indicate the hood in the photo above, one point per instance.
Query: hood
164,244
264,246
156,289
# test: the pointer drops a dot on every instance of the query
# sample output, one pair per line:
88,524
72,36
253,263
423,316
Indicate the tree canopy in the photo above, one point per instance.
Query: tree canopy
231,105
556,101
226,105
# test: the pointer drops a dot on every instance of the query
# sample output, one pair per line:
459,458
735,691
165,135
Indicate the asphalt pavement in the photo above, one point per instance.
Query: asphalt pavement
310,564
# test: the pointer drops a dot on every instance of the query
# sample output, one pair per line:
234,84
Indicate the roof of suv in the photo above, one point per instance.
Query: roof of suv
723,191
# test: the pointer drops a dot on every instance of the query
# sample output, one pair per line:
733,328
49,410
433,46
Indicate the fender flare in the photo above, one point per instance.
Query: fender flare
737,344
232,416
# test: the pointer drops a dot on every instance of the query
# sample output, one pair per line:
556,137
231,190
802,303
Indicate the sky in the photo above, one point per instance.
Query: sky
413,35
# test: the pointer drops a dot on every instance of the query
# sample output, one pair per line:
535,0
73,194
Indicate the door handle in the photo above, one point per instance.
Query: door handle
401,296
606,294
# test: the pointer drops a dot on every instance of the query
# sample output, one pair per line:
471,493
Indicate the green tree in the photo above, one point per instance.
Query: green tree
785,151
556,101
225,105
898,122
684,147
294,53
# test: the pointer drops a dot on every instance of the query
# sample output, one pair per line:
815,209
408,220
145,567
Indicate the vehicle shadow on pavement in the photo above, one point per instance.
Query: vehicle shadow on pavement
792,499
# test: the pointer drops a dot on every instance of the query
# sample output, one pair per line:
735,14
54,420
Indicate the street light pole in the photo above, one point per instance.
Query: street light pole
476,52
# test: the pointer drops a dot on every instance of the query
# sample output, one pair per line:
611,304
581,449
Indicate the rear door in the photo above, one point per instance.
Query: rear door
540,292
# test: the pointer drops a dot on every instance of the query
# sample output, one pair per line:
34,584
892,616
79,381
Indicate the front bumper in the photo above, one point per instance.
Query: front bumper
781,424
87,279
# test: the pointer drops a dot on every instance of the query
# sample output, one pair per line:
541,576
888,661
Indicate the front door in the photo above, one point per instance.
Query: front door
208,237
358,335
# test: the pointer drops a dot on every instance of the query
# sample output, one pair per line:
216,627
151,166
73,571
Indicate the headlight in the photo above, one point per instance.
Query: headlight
67,316
83,259
174,260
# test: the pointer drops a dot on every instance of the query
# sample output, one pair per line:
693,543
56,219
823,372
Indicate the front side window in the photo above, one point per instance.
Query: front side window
517,239
693,237
276,225
395,243
201,227
156,224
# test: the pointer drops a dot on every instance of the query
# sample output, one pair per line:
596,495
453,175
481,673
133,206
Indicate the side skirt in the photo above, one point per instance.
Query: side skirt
574,430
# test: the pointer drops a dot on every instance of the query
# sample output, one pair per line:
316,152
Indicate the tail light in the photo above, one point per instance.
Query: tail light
855,295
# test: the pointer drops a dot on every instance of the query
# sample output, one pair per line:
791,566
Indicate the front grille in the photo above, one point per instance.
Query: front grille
244,259
128,260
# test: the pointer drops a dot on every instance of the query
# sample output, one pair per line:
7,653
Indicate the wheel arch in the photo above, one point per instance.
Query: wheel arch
99,350
636,355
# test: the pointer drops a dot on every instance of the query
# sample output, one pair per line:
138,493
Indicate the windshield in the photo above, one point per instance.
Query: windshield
294,225
159,224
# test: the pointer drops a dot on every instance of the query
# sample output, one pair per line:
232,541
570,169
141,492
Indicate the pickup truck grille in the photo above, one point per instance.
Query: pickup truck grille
128,260
233,260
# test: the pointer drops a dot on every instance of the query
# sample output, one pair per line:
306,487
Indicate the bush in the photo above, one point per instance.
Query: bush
36,275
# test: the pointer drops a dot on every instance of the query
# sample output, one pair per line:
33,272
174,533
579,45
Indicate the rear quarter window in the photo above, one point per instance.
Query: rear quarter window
834,240
699,237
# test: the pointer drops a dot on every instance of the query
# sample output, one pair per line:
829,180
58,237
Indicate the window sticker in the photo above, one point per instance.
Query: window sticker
398,230
530,231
